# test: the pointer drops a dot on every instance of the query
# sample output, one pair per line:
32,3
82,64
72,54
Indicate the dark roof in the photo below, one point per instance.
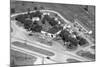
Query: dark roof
50,20
36,14
71,45
54,30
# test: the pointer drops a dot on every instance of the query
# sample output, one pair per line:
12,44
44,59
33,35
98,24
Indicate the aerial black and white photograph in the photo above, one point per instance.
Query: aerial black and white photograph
44,33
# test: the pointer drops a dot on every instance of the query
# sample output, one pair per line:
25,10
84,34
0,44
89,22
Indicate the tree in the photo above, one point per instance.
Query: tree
82,41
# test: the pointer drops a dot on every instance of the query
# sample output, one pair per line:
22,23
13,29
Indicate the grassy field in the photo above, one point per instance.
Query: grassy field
18,58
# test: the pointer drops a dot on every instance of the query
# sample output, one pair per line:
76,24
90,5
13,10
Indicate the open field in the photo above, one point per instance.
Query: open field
19,58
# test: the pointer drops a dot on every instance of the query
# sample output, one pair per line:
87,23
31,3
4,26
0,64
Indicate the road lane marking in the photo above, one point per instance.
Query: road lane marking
33,48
